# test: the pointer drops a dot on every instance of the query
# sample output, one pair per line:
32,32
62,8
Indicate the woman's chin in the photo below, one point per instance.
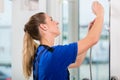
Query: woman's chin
57,34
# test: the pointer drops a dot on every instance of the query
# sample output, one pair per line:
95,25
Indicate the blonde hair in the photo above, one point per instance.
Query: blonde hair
29,45
29,49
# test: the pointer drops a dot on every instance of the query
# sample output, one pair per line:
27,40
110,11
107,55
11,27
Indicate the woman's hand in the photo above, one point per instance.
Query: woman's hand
97,9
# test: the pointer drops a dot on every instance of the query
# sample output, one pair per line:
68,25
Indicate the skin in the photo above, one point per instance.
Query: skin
49,31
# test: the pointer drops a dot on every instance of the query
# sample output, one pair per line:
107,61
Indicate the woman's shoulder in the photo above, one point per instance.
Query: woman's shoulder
65,45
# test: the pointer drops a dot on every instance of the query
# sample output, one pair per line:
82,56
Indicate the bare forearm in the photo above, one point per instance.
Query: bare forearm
96,29
79,60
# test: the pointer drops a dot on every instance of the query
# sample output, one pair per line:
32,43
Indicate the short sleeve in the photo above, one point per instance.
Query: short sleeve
65,54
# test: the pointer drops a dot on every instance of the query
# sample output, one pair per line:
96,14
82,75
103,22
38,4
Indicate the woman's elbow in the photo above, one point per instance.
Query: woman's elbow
78,65
95,40
74,65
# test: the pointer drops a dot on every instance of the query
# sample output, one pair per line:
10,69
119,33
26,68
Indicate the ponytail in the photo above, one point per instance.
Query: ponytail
29,49
29,46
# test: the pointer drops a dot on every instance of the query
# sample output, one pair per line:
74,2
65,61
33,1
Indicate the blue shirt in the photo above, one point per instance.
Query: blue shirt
53,65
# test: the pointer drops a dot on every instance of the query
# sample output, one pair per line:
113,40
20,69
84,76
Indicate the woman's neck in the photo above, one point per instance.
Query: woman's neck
49,41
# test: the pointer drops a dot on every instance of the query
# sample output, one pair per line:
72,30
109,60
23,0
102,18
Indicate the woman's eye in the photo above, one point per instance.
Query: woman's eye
51,19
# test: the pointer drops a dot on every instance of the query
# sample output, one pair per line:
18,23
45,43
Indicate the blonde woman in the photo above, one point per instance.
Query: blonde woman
49,62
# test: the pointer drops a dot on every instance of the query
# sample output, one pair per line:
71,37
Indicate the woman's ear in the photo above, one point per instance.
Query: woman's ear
43,27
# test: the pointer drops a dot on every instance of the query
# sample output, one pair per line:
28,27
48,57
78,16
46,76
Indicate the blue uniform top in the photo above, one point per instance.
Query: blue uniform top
51,63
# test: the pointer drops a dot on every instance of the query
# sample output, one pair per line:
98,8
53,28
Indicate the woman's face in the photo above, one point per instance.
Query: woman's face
52,25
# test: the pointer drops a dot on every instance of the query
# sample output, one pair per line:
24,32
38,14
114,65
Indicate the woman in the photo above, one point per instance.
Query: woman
50,62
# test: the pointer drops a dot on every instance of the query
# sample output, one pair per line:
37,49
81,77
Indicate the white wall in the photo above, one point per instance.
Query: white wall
115,38
20,17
